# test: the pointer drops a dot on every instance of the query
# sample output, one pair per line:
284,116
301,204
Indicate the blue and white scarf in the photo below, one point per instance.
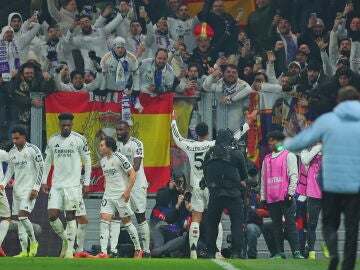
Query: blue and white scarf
122,71
4,56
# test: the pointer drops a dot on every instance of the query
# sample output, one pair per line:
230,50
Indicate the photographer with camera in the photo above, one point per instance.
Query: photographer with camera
279,177
170,235
225,174
254,213
167,197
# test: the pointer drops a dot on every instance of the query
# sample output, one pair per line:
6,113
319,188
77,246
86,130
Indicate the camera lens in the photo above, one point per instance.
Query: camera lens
178,182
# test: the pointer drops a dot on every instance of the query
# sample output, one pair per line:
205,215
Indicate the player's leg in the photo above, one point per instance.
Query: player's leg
26,207
130,228
219,241
115,226
138,205
107,210
125,213
198,203
4,220
82,222
71,205
55,204
23,237
70,232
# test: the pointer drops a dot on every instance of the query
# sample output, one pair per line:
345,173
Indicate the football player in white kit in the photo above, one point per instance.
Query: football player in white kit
66,150
4,204
26,163
119,182
133,149
196,150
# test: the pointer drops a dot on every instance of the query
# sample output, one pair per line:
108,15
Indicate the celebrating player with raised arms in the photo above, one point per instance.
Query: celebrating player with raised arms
196,150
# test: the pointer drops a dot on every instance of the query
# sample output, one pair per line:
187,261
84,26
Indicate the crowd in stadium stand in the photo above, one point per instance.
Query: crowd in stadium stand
286,64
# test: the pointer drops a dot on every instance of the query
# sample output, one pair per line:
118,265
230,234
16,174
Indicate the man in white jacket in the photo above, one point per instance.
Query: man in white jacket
234,100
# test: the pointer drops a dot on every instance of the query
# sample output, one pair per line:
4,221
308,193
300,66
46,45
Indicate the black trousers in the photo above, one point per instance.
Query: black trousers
314,207
215,209
277,211
333,204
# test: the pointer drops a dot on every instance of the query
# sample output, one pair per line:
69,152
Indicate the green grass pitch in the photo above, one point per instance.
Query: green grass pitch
47,263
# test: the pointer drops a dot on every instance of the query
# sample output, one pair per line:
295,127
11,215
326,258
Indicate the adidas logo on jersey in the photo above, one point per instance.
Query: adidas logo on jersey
57,145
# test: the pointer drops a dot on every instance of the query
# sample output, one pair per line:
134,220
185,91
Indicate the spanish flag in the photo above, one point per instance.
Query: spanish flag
231,6
97,116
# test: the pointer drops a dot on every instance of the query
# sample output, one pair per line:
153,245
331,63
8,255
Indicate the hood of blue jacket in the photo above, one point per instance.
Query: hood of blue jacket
348,110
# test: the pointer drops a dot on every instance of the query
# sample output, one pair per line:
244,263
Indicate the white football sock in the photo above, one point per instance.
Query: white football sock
58,228
23,237
104,235
28,228
144,233
130,228
219,238
194,233
114,234
4,227
80,236
71,233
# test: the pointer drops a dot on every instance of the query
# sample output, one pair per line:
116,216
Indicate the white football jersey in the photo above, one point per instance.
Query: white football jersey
115,170
4,157
132,149
196,151
66,153
28,167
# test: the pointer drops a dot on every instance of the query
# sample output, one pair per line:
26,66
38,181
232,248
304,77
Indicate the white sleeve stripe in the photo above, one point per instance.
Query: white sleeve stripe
137,141
81,137
120,157
40,164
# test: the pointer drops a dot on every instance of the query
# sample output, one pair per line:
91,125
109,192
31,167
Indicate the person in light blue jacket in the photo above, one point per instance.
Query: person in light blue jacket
339,132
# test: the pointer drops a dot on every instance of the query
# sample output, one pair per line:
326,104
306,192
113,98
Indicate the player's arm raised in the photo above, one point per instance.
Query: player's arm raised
180,141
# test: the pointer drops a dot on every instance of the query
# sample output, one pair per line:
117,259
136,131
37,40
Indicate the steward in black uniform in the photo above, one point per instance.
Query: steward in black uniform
225,174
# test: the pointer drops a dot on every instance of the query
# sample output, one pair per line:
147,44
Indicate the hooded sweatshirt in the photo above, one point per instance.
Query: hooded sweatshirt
23,28
24,35
339,133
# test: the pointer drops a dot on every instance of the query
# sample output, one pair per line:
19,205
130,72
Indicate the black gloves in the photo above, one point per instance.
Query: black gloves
288,200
